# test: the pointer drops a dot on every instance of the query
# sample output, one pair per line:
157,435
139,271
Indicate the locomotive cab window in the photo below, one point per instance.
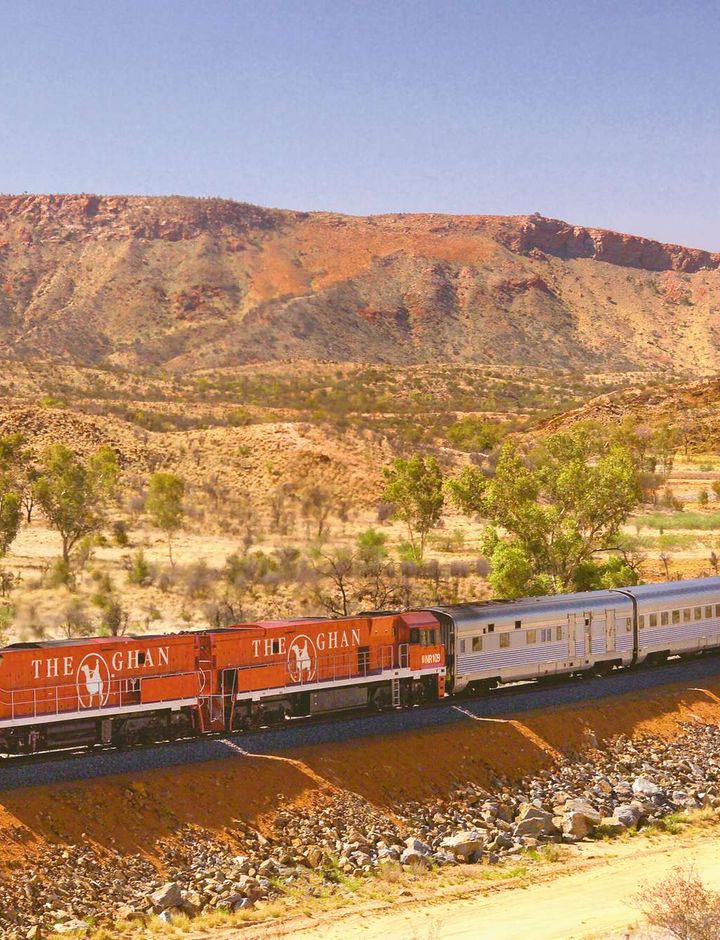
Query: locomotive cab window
415,635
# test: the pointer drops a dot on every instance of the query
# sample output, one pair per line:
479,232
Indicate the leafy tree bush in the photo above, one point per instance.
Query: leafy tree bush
74,494
415,487
550,511
164,504
472,433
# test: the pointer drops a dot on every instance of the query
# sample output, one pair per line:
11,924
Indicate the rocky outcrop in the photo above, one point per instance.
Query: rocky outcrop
558,238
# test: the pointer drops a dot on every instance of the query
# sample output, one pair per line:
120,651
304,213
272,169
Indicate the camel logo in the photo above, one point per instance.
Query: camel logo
93,682
302,659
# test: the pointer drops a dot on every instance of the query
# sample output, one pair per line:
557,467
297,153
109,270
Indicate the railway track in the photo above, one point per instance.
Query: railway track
69,766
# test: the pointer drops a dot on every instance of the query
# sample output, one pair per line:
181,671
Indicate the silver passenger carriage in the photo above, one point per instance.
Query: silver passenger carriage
677,617
508,641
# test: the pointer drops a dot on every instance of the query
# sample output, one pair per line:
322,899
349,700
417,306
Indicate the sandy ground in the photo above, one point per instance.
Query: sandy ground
593,898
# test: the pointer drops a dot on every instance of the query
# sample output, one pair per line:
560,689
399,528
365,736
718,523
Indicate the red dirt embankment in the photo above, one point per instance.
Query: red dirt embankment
145,812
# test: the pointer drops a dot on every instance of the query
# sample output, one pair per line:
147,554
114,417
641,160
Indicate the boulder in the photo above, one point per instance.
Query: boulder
72,926
534,821
592,816
645,788
169,895
575,825
411,855
466,845
314,856
609,826
628,814
422,848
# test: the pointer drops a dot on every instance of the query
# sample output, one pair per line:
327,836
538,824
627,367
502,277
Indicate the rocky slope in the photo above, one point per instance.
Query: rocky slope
691,408
189,283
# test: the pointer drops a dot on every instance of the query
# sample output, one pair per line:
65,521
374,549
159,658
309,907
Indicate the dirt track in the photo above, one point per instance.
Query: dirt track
593,898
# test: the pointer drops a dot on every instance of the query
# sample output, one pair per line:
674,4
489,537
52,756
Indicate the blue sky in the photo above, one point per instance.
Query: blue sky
602,113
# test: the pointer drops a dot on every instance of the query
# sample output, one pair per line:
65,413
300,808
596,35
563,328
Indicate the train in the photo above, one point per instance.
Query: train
126,690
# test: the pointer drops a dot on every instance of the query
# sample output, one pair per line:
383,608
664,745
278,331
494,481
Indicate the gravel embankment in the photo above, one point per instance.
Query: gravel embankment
624,785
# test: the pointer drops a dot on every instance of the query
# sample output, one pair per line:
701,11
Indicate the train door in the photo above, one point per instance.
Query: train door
572,626
610,631
588,634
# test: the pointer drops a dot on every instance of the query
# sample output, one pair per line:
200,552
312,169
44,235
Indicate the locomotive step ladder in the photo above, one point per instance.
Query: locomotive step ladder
396,692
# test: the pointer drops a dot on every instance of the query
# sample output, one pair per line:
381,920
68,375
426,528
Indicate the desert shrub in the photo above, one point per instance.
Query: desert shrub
114,618
198,578
59,574
703,497
140,571
682,905
704,521
120,533
76,622
385,511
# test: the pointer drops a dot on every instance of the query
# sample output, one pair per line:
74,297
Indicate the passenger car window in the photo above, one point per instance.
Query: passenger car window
676,616
531,636
664,618
477,644
698,613
558,633
504,640
653,620
708,613
687,615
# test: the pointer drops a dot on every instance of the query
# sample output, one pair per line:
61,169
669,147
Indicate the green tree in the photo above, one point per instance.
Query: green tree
74,494
550,511
371,548
472,433
415,487
164,504
10,490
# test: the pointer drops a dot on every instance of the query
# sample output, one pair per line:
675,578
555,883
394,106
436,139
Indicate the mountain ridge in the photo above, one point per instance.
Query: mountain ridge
186,283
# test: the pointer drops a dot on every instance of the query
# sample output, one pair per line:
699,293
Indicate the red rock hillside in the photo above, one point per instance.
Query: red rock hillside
198,283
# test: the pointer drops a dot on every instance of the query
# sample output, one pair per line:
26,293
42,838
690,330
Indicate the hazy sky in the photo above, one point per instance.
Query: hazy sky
602,113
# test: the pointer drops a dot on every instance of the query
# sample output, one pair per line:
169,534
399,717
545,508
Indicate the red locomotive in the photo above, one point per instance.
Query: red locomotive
122,690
